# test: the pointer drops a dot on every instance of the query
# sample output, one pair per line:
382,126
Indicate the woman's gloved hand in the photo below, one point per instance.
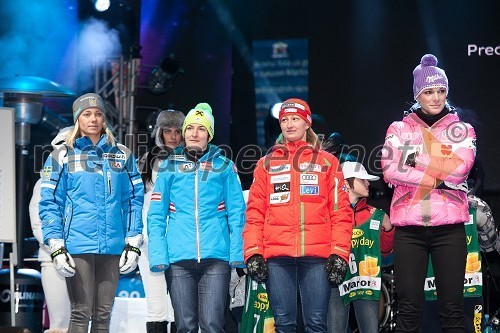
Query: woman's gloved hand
335,268
257,268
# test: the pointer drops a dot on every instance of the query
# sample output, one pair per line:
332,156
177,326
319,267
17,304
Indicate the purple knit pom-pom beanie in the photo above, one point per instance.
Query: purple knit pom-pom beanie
428,75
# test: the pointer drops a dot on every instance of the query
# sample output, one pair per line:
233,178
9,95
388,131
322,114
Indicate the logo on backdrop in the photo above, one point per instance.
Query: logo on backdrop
475,50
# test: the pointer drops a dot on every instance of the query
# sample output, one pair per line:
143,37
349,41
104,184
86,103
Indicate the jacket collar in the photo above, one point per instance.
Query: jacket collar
292,147
210,153
85,141
362,204
412,118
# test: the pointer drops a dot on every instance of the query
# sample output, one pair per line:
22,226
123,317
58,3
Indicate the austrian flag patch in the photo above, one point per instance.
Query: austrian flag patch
156,196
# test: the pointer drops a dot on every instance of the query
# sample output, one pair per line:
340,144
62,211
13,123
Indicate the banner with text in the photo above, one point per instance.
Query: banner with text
281,71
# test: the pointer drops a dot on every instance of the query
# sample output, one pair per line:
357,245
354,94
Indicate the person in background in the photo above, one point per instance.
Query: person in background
53,283
237,294
482,235
91,212
200,192
167,134
336,146
237,285
372,237
426,158
299,223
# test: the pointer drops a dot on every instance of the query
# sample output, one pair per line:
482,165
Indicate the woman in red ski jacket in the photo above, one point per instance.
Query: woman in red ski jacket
299,223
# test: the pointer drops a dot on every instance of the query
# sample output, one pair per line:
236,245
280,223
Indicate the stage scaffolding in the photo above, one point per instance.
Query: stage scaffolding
116,80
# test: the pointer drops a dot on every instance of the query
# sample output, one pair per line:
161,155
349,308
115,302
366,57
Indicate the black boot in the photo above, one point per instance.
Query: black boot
156,326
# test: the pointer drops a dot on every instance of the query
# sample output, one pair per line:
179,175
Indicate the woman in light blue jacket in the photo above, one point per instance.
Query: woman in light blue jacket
199,189
91,212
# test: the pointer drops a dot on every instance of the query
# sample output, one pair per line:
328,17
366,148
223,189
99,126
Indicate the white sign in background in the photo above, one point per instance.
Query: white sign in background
7,176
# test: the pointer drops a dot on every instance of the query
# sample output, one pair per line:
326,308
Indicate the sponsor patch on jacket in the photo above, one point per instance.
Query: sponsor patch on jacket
46,172
441,150
280,178
276,198
280,168
310,167
374,224
75,166
281,187
409,136
309,179
112,156
207,166
186,167
177,157
115,164
309,189
156,196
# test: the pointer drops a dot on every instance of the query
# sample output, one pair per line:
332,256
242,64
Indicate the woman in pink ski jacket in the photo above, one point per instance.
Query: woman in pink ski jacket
426,159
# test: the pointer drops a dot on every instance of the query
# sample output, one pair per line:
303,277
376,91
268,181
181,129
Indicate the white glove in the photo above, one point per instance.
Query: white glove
130,255
62,259
461,187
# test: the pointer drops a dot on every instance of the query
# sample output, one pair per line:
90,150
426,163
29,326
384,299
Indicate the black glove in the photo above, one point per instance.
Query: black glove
410,160
444,185
335,268
257,268
241,272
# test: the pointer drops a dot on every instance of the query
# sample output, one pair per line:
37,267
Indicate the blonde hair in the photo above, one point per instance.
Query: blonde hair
311,138
76,133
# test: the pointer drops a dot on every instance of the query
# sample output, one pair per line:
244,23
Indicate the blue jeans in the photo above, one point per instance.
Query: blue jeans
199,293
289,276
92,291
338,314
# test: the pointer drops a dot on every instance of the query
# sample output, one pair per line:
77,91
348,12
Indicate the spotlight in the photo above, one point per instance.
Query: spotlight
101,5
272,127
275,110
162,77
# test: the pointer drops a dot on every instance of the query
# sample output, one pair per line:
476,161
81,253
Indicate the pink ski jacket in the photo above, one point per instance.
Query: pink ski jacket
434,191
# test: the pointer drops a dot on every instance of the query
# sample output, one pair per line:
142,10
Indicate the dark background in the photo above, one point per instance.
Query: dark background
361,57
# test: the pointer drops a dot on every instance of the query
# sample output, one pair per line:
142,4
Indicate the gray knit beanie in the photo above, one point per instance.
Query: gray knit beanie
167,119
85,102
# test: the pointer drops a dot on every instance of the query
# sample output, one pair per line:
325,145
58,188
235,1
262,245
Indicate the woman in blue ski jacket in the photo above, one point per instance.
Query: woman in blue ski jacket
199,190
91,212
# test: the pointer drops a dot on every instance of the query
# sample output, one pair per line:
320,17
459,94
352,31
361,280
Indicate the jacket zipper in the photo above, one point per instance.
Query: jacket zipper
336,195
298,210
109,182
196,216
302,232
